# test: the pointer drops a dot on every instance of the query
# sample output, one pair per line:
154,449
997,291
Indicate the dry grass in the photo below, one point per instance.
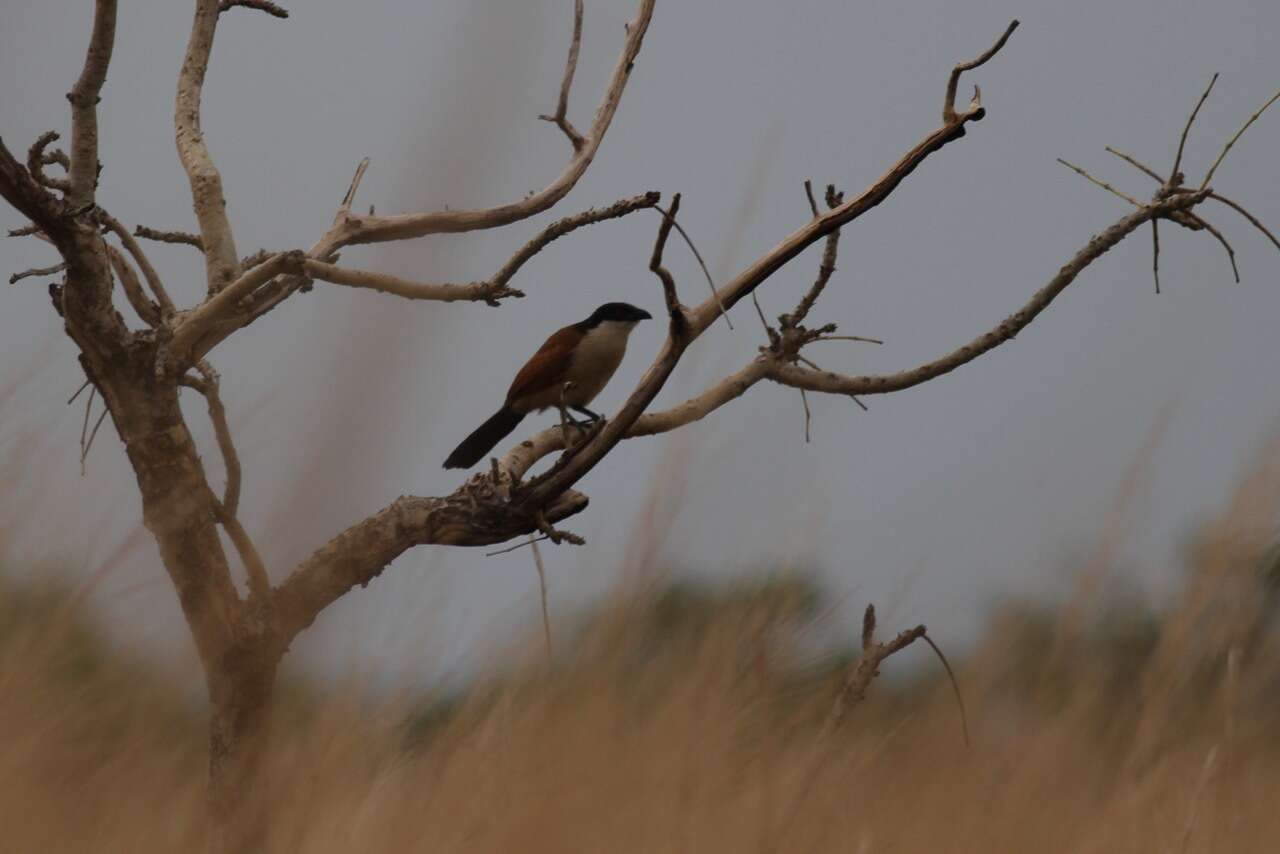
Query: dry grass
692,721
689,722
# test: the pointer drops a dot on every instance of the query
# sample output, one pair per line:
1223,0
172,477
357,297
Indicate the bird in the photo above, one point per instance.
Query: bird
569,370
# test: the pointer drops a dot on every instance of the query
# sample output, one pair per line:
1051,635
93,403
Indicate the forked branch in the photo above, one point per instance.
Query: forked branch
561,119
373,229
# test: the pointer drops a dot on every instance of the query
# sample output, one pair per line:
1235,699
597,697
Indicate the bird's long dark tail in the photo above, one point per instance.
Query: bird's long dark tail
483,440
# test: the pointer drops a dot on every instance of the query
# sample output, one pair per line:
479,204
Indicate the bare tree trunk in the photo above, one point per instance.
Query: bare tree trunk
239,734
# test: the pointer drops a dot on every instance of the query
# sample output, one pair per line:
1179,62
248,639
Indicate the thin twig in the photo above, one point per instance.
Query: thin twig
1244,213
808,191
84,450
561,118
73,397
84,427
156,234
1155,251
518,545
345,207
955,686
768,330
1103,184
1231,253
808,417
715,294
37,271
861,338
672,299
25,231
1214,168
261,5
1142,167
1175,177
949,105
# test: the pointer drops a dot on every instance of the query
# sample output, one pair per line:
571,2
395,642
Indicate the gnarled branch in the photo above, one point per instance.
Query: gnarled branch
475,515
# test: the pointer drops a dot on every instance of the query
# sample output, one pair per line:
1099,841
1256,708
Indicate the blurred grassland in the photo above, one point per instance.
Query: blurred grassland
691,719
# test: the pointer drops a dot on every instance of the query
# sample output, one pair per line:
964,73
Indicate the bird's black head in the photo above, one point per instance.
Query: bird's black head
618,311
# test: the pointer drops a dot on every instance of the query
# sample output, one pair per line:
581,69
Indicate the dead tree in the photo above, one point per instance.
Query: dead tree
137,369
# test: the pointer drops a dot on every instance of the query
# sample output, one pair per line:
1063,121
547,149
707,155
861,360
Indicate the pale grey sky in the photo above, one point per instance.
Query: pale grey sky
975,485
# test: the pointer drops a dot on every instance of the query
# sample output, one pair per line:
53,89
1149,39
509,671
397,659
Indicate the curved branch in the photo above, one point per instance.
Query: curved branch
949,114
37,159
84,105
374,229
833,383
221,261
19,188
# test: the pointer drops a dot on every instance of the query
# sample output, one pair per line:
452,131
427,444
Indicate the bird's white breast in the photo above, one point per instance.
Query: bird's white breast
595,359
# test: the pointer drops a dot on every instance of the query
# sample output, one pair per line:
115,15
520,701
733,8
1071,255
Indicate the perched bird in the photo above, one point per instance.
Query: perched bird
583,355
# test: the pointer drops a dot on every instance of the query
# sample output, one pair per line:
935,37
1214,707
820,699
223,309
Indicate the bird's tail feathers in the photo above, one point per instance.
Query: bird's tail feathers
484,439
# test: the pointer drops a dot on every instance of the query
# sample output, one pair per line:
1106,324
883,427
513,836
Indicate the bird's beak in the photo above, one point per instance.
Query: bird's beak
643,315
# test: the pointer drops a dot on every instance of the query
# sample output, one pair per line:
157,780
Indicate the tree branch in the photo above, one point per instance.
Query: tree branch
474,515
357,229
221,261
1175,176
832,383
949,115
560,119
489,290
147,311
1257,223
208,386
261,5
1231,142
182,237
203,328
21,190
37,271
37,159
84,105
484,291
149,273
